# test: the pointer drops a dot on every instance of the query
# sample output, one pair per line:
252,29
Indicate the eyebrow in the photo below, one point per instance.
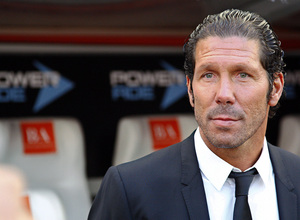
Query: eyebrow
238,66
207,66
241,66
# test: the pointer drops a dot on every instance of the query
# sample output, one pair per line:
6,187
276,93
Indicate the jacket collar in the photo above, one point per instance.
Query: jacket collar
193,190
194,194
286,198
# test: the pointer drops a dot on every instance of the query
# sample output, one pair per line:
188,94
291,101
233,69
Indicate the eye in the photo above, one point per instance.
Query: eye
243,75
208,75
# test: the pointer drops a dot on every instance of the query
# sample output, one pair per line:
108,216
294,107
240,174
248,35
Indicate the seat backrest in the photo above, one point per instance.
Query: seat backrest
138,136
289,133
50,153
44,205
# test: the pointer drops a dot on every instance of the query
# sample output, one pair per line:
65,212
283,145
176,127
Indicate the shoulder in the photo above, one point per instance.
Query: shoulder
165,164
285,156
167,157
156,172
286,165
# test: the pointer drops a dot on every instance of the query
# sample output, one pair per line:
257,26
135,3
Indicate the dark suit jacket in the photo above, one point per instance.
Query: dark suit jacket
167,185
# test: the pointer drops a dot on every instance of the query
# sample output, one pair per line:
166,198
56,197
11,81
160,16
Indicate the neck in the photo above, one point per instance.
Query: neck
243,156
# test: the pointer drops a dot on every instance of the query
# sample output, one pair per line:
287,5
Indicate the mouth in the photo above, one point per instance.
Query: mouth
224,121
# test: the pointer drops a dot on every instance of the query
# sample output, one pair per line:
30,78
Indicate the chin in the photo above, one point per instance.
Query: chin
226,143
226,146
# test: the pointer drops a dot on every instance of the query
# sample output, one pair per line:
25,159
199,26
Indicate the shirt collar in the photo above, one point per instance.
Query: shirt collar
216,170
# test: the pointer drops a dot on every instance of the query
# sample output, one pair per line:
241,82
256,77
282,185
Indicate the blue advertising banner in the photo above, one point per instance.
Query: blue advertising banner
96,89
99,89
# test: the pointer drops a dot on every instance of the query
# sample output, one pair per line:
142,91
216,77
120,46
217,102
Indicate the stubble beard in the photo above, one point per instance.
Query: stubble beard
225,139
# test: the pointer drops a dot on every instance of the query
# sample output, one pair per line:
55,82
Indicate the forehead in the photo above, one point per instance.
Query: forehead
231,48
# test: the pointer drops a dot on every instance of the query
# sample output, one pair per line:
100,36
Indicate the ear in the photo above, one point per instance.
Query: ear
277,89
190,92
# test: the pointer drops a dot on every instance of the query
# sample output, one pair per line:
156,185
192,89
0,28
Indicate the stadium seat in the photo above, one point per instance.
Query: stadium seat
4,140
138,136
289,138
44,205
50,153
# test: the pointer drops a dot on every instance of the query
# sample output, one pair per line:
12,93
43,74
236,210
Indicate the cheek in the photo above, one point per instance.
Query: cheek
203,98
253,101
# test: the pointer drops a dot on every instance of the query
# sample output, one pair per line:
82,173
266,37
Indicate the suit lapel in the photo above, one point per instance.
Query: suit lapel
286,199
194,194
193,190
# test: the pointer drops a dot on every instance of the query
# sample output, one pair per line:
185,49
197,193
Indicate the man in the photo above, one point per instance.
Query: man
11,202
235,79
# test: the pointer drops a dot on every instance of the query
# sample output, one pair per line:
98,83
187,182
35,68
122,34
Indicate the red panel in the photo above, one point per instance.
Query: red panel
165,132
38,137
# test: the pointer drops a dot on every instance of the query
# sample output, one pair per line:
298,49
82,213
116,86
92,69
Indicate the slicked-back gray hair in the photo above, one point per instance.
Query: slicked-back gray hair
234,22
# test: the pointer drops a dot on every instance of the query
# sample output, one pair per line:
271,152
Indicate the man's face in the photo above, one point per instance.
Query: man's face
229,91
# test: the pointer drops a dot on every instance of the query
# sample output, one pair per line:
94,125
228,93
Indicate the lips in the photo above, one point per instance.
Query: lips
225,116
224,121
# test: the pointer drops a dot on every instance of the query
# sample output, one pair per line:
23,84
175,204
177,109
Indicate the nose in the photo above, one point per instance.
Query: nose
225,93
